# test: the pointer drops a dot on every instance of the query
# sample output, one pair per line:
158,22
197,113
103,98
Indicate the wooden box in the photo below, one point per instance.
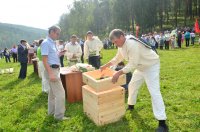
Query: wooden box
104,107
72,83
90,78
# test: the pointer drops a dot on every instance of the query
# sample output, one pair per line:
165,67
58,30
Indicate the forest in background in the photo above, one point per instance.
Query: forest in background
101,16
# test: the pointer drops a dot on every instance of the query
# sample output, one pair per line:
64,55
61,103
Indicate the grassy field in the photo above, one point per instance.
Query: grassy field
24,108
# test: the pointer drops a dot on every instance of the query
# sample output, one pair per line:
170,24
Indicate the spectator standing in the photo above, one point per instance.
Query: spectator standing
41,69
81,43
179,39
187,39
192,34
173,41
161,41
167,40
73,51
31,52
51,61
23,58
14,53
61,48
92,48
7,55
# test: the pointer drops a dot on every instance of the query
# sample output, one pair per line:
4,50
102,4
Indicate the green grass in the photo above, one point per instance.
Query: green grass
24,108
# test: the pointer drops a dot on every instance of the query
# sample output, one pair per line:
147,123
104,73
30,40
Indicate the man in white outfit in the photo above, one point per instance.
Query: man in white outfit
73,51
146,63
92,49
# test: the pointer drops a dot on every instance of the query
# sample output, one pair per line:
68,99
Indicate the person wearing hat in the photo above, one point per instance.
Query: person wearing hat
23,58
73,51
51,61
146,65
92,48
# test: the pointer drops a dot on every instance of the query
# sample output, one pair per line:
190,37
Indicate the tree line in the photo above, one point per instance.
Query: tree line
101,16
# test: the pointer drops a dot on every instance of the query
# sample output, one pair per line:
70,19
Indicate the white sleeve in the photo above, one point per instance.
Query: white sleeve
86,50
133,55
67,53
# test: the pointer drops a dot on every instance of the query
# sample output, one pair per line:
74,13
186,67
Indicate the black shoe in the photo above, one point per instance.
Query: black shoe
130,107
162,129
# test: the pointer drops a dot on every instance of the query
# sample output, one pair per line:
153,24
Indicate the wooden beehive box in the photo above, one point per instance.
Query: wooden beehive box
91,79
104,107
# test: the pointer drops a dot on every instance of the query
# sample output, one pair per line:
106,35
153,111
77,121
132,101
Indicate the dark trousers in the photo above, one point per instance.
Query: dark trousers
179,43
161,47
187,42
94,61
14,57
61,60
7,59
167,45
192,40
82,58
23,70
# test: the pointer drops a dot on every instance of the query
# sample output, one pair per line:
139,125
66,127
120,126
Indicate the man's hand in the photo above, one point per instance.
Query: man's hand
62,53
116,76
52,78
102,68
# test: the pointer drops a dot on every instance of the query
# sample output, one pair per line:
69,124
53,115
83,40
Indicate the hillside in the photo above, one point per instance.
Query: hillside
11,34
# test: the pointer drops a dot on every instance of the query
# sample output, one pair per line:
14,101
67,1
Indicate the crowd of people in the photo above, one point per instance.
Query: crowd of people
51,53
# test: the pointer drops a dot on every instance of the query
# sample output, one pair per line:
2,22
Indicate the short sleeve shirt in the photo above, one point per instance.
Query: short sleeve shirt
48,48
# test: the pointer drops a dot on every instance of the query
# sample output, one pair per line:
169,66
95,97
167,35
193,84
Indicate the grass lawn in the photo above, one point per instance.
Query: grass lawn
24,108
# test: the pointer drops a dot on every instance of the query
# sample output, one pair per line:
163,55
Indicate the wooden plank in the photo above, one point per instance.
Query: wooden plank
103,122
110,111
112,105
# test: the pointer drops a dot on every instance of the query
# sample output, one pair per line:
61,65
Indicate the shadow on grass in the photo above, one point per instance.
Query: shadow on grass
140,122
33,79
38,102
11,85
119,126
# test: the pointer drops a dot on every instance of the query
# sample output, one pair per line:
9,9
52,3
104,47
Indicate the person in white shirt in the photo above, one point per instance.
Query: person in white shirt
192,35
30,54
167,40
73,51
92,48
61,48
146,64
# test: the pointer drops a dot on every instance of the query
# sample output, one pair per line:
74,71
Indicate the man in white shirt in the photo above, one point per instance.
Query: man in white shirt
61,48
92,48
146,64
73,51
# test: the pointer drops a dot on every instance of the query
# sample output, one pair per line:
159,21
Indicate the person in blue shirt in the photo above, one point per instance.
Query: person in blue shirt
187,38
51,61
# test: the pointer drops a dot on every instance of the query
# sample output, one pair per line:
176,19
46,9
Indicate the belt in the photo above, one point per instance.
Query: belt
54,66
